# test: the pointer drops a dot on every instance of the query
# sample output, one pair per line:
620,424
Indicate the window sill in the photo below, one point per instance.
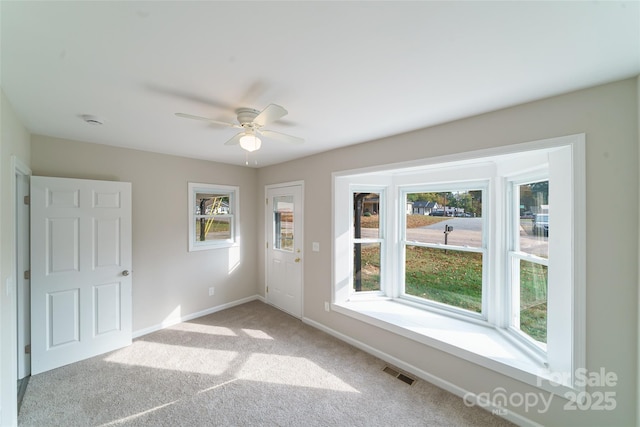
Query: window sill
480,344
194,247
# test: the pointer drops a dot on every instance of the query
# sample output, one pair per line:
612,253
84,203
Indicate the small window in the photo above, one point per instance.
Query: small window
212,216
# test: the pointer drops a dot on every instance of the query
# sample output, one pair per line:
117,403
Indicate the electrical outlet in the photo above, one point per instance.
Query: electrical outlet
212,290
326,306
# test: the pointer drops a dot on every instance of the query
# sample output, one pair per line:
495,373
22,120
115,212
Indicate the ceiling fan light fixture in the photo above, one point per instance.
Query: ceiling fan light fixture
250,142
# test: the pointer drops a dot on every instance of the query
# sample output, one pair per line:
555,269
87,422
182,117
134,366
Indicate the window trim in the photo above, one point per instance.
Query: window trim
393,176
234,202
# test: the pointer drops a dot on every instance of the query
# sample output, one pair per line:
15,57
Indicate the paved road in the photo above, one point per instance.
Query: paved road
468,232
468,224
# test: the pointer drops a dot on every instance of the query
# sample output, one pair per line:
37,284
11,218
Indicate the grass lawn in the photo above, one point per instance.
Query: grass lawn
215,229
449,277
413,221
533,300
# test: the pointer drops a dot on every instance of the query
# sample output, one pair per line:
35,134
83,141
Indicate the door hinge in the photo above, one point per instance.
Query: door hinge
27,349
267,289
27,200
27,275
267,245
266,201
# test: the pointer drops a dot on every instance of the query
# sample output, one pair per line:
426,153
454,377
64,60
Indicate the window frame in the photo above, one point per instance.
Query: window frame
515,255
382,228
477,185
233,192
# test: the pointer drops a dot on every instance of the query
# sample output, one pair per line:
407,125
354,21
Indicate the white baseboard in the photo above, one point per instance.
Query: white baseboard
166,324
469,397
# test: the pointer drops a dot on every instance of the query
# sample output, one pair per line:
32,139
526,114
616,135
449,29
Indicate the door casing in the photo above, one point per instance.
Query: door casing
20,185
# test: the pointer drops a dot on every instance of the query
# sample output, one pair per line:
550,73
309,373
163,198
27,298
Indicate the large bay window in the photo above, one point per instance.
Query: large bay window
480,255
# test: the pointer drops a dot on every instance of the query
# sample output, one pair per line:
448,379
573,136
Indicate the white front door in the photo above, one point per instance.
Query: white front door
80,269
284,248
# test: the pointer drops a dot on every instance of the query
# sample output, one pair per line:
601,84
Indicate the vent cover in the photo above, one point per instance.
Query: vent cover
399,375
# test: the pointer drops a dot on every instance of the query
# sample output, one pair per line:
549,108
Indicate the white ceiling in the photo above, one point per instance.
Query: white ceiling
347,72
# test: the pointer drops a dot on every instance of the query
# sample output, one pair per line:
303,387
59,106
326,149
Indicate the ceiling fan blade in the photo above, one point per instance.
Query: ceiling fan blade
279,136
235,140
270,114
204,119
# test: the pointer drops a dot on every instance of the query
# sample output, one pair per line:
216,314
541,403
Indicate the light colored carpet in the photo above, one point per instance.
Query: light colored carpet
251,365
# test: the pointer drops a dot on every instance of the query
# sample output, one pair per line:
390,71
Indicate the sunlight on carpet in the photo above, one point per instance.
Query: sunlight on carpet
257,333
138,415
291,371
165,356
203,329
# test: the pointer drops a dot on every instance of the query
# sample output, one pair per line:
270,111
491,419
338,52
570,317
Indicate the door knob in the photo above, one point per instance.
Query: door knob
125,273
297,260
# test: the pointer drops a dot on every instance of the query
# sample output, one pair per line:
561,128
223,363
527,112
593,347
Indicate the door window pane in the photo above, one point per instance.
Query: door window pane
283,223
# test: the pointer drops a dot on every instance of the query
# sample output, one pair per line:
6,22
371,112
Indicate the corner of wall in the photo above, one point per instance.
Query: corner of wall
15,143
638,277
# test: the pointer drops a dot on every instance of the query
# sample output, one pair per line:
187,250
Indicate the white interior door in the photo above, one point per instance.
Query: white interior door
80,263
284,220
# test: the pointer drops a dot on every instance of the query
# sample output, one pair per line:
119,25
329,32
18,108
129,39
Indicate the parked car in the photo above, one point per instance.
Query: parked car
541,224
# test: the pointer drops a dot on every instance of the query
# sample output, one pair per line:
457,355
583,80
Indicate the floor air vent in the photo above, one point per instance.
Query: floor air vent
402,377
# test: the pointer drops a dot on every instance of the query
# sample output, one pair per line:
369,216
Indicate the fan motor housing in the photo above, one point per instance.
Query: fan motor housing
246,115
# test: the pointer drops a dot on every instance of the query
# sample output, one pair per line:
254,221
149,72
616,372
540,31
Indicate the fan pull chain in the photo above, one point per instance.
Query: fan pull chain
246,159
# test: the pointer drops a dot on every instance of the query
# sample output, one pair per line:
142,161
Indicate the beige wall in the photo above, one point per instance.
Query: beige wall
608,115
14,141
168,281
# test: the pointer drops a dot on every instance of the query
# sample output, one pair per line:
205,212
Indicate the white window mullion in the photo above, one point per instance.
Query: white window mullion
396,216
496,262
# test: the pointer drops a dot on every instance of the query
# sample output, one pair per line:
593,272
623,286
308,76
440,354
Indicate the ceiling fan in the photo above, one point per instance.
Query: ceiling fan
252,122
